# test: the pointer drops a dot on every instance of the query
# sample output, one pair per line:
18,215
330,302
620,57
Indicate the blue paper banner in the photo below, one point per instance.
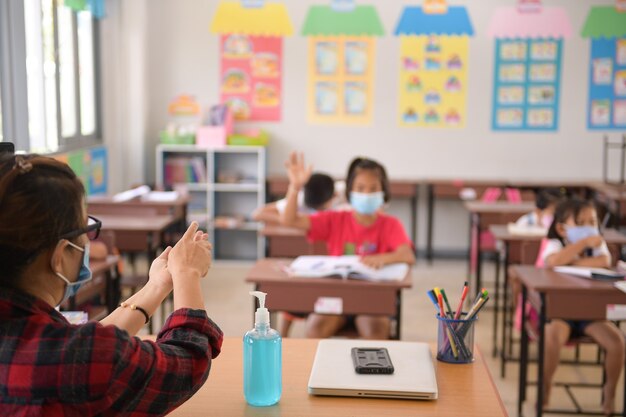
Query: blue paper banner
606,109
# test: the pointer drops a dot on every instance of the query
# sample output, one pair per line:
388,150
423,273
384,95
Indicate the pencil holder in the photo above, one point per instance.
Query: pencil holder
455,339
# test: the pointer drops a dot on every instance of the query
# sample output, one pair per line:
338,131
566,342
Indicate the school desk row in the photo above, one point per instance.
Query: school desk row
612,196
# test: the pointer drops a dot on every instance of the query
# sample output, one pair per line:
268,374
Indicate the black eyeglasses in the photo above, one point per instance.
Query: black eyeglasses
92,230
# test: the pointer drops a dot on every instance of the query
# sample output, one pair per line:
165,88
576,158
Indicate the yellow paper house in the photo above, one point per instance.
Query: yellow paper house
433,67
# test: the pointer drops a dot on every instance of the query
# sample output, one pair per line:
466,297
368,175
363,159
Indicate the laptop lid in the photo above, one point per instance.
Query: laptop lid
333,371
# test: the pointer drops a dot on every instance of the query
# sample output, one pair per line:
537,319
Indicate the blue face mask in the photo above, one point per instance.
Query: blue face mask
84,274
367,203
576,233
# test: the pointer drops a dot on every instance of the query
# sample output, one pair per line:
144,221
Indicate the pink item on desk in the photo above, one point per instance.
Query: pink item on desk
491,195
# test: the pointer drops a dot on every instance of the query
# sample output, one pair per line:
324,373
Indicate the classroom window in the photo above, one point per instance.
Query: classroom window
61,76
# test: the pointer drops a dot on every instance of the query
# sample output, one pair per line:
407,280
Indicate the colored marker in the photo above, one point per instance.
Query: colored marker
463,295
445,299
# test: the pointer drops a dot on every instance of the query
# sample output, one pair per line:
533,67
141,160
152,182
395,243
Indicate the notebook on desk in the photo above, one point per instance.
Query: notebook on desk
347,266
413,378
591,273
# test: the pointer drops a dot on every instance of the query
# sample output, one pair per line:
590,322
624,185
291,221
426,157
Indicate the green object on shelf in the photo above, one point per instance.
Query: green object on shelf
250,138
168,138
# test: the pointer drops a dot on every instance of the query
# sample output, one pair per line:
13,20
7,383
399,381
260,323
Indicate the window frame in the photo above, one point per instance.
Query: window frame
14,84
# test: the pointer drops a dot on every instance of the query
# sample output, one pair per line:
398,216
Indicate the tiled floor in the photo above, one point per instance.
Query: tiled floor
229,305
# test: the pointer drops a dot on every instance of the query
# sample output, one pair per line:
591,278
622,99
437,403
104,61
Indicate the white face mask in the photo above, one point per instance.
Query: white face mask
367,203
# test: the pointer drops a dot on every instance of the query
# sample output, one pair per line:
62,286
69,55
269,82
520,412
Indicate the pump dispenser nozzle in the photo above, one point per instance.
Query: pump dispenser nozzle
262,315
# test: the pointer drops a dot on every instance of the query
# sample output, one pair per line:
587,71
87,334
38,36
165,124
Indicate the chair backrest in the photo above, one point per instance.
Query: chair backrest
491,194
513,195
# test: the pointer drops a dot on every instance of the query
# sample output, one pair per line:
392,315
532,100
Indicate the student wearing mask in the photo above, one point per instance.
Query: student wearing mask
574,239
49,367
379,239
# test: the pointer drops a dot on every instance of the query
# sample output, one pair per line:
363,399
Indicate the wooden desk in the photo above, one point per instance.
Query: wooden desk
299,295
134,233
288,242
524,249
482,215
559,296
277,188
464,390
450,189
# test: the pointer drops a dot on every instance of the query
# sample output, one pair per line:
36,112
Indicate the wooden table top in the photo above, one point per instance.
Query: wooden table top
480,207
464,390
128,223
271,230
273,270
568,296
501,232
278,184
107,199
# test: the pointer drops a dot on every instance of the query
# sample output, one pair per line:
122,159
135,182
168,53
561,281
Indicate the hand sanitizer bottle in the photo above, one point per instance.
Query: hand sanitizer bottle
262,359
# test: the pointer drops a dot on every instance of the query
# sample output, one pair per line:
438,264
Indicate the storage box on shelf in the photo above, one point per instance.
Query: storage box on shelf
226,184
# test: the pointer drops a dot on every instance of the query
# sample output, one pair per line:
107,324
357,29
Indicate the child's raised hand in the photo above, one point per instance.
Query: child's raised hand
594,241
297,171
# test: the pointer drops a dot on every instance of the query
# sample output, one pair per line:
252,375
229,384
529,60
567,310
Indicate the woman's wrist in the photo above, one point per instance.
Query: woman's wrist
158,289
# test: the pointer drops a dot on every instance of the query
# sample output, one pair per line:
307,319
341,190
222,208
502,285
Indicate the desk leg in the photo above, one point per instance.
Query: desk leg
496,307
398,314
479,262
429,225
540,354
523,362
505,313
414,219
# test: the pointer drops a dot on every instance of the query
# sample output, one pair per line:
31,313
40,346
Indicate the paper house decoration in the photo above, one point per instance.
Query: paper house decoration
342,56
527,75
251,44
436,37
606,26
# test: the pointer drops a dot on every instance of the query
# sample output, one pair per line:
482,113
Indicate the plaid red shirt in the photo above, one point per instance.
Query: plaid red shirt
50,368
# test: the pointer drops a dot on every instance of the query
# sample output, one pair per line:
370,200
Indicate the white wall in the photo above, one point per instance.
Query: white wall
183,57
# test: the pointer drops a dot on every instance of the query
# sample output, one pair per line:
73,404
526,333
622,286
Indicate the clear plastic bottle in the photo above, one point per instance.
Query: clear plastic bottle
262,359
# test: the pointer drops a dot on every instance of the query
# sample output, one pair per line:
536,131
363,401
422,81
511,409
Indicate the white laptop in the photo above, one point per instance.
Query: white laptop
413,378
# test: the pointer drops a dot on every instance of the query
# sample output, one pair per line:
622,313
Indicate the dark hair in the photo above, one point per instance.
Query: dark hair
547,196
564,210
318,190
360,164
40,200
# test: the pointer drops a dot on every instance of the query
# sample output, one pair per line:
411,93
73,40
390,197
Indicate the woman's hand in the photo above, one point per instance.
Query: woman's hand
297,171
159,274
191,256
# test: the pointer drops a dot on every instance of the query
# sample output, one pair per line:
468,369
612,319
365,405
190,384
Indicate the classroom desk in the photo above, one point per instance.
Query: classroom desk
557,295
299,295
450,189
135,233
288,242
481,216
524,249
277,188
464,390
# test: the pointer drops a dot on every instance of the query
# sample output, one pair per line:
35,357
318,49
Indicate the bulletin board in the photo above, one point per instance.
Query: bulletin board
341,64
606,108
433,67
251,57
527,66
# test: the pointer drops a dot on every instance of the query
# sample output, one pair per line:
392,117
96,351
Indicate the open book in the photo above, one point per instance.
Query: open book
514,229
591,273
347,266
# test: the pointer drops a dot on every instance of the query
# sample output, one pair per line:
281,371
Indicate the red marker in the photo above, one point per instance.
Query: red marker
463,295
442,313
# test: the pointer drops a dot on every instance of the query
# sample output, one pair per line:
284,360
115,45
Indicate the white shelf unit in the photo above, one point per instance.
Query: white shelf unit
211,198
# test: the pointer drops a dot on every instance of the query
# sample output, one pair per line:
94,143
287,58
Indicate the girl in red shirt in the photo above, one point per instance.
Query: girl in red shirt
364,230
